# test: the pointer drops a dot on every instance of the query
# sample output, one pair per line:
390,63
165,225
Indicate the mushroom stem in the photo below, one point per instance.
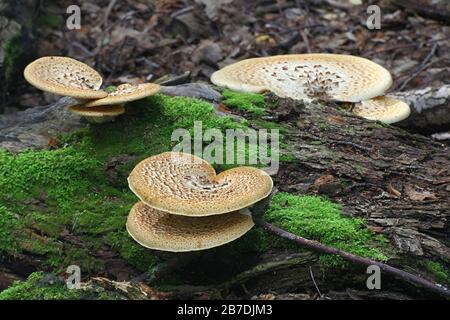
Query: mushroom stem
99,120
258,211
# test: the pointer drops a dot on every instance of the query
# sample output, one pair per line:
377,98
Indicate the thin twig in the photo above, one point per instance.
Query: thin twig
314,281
305,40
317,246
260,208
425,63
409,45
108,12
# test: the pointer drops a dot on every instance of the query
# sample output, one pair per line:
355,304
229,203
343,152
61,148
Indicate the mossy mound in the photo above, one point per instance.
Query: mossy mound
40,286
315,218
244,102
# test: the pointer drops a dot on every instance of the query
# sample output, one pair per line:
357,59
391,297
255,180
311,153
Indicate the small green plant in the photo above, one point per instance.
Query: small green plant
438,270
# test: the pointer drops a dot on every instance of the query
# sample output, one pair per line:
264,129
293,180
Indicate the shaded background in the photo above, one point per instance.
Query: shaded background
143,40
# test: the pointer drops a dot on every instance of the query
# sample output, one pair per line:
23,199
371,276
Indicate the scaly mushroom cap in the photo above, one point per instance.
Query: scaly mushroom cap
184,184
384,109
306,76
126,93
155,229
66,77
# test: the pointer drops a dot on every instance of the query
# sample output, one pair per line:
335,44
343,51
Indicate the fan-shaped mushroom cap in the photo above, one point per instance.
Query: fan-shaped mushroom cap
160,230
100,114
384,109
126,93
66,77
305,76
184,184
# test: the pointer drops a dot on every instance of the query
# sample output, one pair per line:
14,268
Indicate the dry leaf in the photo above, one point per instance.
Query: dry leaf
327,178
376,229
415,195
393,191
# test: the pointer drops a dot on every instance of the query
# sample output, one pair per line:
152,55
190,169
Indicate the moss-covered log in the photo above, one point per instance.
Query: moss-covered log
383,193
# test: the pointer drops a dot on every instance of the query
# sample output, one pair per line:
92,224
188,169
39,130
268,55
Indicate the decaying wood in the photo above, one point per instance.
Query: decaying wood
317,246
258,213
430,109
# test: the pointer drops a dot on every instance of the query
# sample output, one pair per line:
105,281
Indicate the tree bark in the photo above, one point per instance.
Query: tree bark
430,109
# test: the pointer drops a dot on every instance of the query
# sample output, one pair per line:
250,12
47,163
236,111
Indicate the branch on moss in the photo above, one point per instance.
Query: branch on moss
258,212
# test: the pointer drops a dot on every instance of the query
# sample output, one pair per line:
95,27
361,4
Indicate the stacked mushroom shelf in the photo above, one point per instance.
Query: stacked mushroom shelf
331,77
186,206
68,77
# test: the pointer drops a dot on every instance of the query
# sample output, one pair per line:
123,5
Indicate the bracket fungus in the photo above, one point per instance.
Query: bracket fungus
383,109
66,77
100,114
186,206
126,93
184,184
159,230
306,76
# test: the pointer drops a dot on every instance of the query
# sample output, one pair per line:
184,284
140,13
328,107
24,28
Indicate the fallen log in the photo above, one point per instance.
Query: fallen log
397,181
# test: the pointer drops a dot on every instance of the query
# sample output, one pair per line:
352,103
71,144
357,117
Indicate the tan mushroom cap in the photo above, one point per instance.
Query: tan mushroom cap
384,109
66,77
306,76
155,229
184,184
126,93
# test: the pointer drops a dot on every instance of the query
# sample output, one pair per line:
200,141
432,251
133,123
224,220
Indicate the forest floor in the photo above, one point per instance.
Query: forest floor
137,41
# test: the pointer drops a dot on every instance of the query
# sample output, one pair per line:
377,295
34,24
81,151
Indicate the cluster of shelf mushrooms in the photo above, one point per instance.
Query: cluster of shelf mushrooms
335,77
185,206
332,77
68,77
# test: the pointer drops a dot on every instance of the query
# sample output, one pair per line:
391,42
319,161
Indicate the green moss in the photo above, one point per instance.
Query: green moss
245,102
34,288
184,111
110,88
8,227
317,219
438,270
287,157
37,287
